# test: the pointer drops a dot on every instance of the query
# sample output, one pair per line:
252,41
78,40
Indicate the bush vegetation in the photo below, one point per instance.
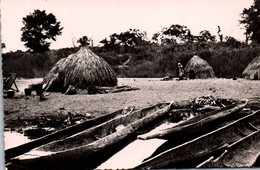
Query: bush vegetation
147,60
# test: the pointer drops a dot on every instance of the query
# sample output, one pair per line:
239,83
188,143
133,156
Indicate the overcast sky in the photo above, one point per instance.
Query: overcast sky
100,18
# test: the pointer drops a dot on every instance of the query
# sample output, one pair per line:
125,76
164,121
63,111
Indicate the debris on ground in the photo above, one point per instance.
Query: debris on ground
122,88
102,90
210,101
8,93
199,105
43,125
71,90
42,97
167,78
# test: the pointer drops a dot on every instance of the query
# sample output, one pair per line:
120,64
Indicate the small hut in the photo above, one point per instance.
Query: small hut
82,69
198,68
252,71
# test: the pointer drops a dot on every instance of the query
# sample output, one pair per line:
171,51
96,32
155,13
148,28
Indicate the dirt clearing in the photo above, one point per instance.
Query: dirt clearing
23,111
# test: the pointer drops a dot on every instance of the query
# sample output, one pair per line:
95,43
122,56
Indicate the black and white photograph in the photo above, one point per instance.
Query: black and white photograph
130,84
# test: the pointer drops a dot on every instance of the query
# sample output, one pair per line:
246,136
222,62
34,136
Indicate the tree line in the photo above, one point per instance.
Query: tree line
40,28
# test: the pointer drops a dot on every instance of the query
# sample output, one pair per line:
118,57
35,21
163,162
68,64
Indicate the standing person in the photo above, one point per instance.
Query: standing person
181,74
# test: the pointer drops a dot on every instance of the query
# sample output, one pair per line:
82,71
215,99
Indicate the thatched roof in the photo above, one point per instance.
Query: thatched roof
252,71
200,68
81,69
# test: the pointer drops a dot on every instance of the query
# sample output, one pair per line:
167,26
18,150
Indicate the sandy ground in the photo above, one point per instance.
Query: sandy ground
151,91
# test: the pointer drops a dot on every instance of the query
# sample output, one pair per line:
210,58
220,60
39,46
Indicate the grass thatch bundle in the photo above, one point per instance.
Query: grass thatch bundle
252,71
82,69
199,68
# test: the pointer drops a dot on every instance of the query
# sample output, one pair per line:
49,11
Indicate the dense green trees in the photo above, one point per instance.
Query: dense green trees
38,28
205,36
128,40
85,41
176,33
181,34
251,21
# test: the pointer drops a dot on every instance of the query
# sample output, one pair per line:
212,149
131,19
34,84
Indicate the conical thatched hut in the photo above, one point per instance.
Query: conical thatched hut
252,71
82,70
198,68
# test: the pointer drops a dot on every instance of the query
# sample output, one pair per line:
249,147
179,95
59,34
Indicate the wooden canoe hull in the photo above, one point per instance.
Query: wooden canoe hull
198,124
204,145
86,156
18,150
244,153
100,131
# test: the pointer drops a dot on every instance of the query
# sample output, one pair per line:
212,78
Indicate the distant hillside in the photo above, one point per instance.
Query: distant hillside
148,60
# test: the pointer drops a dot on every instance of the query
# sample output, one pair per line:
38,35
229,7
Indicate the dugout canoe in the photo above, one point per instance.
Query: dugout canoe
93,134
243,153
18,150
207,145
86,148
198,124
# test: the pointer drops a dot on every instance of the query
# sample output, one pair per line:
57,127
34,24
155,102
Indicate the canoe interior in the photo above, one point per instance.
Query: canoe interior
99,131
174,142
200,124
18,150
244,153
187,155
